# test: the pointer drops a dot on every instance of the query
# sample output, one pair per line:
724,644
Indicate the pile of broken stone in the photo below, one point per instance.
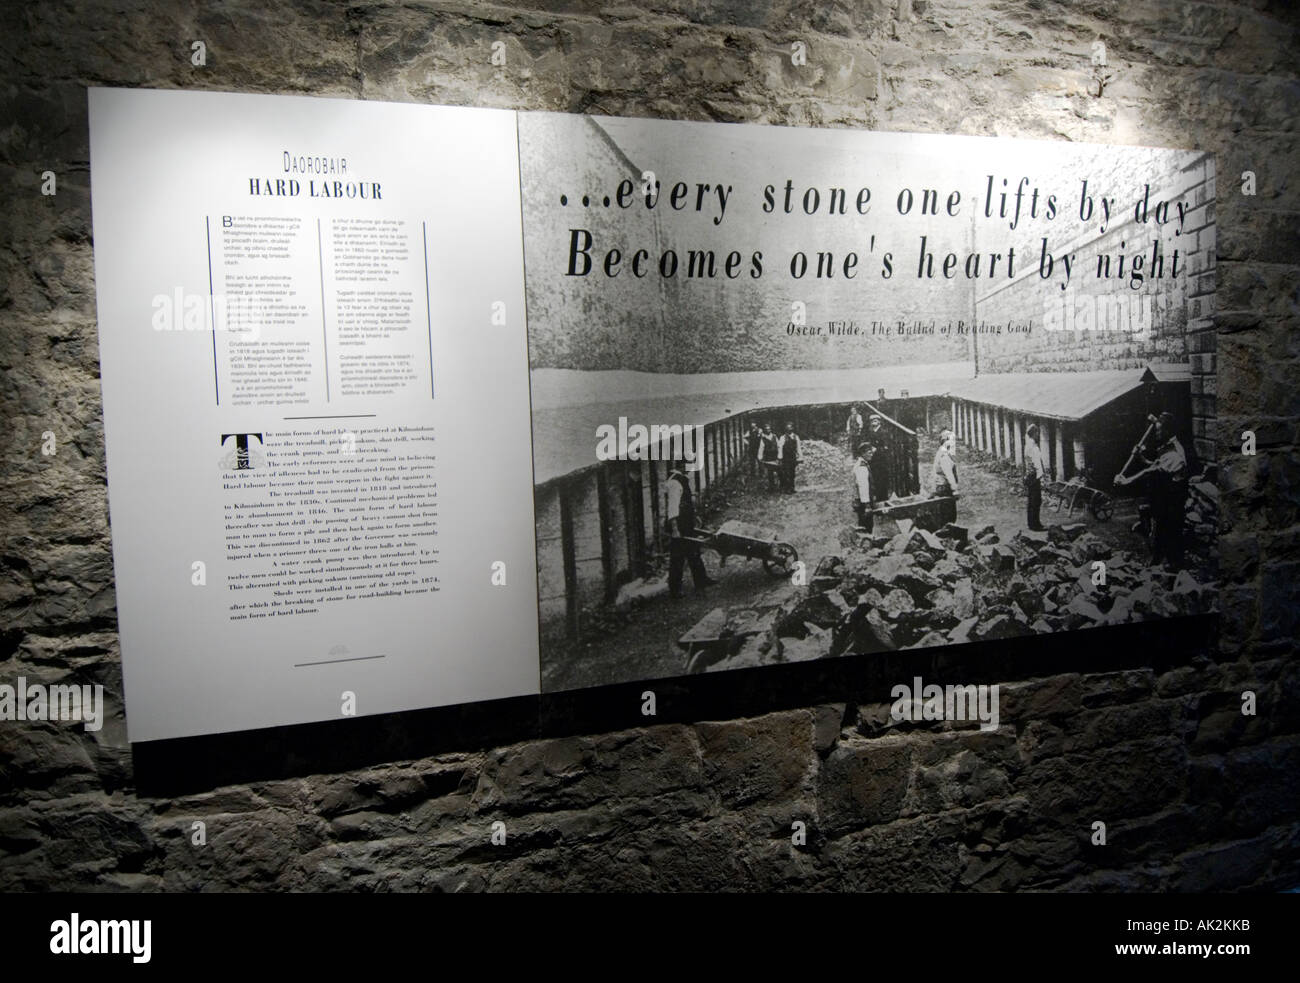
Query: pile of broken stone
918,589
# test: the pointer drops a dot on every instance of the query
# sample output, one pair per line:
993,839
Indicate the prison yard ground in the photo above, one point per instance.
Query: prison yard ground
885,591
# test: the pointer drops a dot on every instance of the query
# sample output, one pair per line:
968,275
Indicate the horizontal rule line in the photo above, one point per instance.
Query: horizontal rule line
330,662
340,416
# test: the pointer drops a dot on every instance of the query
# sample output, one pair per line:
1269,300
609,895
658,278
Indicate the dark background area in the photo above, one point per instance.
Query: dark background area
1141,731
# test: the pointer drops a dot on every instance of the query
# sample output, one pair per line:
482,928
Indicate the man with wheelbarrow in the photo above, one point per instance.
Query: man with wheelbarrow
680,522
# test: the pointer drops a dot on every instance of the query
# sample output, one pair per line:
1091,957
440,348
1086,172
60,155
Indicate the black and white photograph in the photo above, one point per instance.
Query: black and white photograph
809,394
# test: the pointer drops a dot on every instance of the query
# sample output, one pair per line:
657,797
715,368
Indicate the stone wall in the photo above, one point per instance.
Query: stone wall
697,314
1194,794
1104,323
1172,322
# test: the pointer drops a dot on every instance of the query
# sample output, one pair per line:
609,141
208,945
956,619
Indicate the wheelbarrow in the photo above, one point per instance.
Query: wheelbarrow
929,513
718,635
734,538
1074,494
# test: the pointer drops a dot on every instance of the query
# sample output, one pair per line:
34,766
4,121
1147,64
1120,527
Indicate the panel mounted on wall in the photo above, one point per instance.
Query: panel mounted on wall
411,406
311,322
930,318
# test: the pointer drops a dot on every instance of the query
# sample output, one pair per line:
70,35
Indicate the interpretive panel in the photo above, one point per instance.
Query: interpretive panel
809,393
409,406
314,367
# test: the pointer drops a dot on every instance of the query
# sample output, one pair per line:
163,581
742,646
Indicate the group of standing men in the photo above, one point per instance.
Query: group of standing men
872,478
778,456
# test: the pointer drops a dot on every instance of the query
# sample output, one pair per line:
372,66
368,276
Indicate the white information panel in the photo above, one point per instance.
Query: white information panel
316,405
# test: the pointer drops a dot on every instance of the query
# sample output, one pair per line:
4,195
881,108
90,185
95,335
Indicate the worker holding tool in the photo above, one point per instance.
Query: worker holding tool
944,474
1166,466
863,492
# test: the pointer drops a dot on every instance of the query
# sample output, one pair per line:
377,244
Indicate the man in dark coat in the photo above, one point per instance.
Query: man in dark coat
753,443
880,461
790,453
769,454
680,522
1166,467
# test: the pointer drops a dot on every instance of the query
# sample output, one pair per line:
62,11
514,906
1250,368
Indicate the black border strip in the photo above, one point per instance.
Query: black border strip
185,765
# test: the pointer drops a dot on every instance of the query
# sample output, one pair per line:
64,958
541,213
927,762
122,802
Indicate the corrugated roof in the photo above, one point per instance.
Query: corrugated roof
1058,395
1171,371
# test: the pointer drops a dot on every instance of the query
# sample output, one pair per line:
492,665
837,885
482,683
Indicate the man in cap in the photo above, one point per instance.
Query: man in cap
863,493
680,522
944,474
769,454
878,438
1035,472
753,442
854,427
790,453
